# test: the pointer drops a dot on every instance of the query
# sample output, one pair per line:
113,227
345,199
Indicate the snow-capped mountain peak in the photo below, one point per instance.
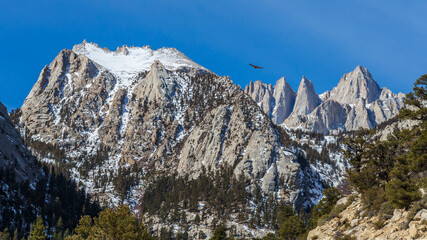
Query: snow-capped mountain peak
126,62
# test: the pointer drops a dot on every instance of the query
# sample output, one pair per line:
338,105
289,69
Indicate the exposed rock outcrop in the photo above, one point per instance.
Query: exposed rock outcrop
386,106
328,117
358,116
19,176
353,223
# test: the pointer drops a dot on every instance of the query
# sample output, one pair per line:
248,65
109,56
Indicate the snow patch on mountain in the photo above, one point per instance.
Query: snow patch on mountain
127,62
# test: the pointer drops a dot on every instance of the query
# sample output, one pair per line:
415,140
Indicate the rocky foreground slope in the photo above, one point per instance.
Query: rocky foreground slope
354,221
356,102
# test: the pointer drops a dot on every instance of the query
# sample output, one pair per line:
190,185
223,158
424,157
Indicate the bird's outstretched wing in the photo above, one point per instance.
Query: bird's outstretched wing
256,67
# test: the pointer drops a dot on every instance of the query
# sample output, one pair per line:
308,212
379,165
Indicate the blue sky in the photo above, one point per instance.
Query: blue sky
319,39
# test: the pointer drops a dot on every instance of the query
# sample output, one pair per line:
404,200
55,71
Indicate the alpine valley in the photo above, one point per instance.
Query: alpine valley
188,150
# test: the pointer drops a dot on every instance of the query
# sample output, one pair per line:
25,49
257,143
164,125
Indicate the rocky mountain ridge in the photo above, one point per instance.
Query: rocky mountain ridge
120,127
356,102
120,121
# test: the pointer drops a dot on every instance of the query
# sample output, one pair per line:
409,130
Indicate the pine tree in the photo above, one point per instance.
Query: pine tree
402,193
38,232
116,223
417,100
84,228
182,236
290,225
5,234
15,235
59,230
220,233
403,188
291,228
285,211
325,206
66,234
197,219
165,234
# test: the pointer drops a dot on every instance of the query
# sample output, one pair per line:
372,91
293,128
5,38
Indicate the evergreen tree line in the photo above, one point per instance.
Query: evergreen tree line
221,194
293,225
120,223
311,154
171,198
54,197
116,224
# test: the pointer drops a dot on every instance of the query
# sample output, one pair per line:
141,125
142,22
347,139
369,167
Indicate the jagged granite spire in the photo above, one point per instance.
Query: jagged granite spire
307,99
277,102
262,94
354,85
284,98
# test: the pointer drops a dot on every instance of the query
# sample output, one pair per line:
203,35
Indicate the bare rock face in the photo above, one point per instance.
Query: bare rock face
325,96
154,86
355,85
262,94
284,98
358,116
13,154
307,99
20,175
387,106
277,102
3,111
68,94
329,116
224,138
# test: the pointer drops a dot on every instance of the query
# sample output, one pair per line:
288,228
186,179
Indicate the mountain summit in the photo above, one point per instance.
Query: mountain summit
126,61
355,85
307,99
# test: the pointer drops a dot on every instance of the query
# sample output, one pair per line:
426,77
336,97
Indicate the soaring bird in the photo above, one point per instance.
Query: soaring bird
256,67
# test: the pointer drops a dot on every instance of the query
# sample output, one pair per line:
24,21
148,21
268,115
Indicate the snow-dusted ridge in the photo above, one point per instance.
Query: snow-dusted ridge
126,62
145,112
